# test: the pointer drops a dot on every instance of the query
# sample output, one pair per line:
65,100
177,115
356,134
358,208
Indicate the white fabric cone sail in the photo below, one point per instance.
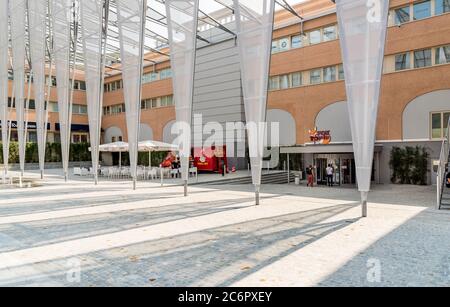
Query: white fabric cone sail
37,12
131,17
61,10
92,28
255,26
362,27
4,42
17,13
182,21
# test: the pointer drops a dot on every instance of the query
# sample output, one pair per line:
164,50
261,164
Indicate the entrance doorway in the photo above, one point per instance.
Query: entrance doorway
344,168
348,171
321,167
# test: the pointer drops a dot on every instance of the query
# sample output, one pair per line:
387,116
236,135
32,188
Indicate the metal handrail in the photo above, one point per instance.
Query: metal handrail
442,169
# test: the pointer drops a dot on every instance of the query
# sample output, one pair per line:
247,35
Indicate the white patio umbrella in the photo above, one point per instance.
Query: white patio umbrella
114,147
155,146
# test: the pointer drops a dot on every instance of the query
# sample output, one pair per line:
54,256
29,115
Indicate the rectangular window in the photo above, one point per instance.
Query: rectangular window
422,58
315,37
329,74
284,82
329,33
83,109
446,120
150,77
402,15
275,47
315,76
284,44
154,103
274,83
436,125
32,137
32,105
422,10
402,61
443,55
341,72
163,101
54,107
166,73
296,41
80,138
442,6
170,101
296,79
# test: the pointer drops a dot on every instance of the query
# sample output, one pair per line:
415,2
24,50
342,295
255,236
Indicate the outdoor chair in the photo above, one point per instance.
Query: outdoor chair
152,174
77,171
174,173
193,171
84,172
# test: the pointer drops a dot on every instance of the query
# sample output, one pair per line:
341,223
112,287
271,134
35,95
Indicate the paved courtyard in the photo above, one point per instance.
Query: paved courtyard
78,234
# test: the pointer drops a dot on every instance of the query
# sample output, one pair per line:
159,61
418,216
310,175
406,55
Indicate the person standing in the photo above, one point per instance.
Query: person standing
330,175
310,176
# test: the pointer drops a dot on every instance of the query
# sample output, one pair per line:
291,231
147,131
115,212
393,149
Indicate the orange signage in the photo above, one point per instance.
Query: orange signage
320,137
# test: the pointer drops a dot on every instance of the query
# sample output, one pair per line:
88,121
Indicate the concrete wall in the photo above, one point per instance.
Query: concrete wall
112,132
417,115
335,118
433,148
218,95
145,133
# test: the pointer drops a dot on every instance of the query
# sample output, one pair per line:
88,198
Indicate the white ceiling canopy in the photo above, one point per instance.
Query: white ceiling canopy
212,13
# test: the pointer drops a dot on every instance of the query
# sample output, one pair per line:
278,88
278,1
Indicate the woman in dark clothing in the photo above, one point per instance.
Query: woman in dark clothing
310,175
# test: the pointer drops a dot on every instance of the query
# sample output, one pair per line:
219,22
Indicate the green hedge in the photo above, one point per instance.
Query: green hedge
78,153
143,157
409,165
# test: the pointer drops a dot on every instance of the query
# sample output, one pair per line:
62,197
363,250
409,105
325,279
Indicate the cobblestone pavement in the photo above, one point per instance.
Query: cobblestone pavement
77,234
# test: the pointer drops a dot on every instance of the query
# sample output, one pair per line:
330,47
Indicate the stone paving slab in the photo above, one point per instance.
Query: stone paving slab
113,236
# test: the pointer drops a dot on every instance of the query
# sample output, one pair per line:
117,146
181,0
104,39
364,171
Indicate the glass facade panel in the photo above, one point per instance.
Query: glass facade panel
436,126
442,6
329,34
422,58
402,15
296,79
443,55
315,76
284,82
422,10
296,41
315,37
329,74
402,61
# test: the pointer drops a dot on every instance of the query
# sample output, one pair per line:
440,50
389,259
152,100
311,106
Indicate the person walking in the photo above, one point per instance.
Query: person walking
330,175
310,175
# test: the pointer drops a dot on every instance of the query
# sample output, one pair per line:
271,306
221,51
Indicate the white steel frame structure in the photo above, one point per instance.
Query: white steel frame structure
95,36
